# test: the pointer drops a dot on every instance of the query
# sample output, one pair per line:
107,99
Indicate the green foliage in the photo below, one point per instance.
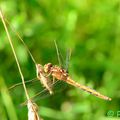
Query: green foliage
90,28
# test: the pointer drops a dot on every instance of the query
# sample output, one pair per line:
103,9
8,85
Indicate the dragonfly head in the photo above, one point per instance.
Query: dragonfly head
47,67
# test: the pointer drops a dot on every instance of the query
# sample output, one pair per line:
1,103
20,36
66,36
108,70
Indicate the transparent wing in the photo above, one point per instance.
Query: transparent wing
62,62
35,89
17,90
68,55
59,55
20,83
57,85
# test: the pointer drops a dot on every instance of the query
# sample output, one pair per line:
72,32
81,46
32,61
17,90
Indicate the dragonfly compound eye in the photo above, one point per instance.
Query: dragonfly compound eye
47,67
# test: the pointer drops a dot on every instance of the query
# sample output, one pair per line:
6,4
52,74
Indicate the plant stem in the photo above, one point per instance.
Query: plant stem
11,44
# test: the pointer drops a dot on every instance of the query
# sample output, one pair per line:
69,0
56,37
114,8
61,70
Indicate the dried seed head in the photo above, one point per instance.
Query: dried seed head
32,111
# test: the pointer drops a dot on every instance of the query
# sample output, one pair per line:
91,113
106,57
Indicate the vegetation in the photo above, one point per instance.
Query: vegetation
91,29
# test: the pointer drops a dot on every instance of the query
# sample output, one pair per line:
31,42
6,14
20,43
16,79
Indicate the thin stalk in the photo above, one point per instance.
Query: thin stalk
17,34
11,44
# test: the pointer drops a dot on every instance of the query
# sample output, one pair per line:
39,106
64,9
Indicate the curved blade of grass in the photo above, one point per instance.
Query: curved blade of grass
7,100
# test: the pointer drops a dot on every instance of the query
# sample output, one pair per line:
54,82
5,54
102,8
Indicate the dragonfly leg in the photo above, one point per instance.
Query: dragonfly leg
53,80
48,74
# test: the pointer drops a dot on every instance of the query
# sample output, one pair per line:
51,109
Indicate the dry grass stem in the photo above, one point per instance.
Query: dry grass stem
11,44
32,107
17,34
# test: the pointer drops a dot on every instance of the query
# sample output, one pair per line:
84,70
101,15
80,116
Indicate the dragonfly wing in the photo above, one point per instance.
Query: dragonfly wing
17,90
59,56
58,53
20,83
68,55
57,85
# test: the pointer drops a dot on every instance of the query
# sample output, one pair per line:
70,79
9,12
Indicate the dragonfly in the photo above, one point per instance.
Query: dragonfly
61,74
43,74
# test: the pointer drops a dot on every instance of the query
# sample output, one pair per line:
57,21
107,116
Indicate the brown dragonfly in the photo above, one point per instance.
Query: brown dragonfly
43,73
61,74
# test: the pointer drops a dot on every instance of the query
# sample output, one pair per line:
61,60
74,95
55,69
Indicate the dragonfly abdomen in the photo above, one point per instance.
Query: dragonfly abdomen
87,89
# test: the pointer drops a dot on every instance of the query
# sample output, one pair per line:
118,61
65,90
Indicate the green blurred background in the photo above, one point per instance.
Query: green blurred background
91,28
